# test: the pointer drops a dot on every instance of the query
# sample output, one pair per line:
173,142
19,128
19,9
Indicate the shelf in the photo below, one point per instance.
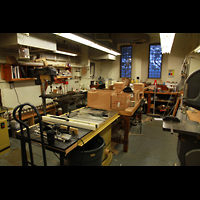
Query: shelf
62,77
57,66
8,73
160,100
23,79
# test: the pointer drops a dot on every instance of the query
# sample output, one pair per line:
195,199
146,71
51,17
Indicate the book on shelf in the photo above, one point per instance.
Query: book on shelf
22,72
15,72
18,72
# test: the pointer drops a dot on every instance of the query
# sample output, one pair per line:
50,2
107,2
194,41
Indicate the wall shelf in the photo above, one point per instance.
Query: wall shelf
23,73
64,77
23,79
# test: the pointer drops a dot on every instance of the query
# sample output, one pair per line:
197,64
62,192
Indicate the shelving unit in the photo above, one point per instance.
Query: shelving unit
22,75
163,98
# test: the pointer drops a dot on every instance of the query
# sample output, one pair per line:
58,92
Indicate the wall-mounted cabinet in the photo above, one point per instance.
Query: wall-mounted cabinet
17,72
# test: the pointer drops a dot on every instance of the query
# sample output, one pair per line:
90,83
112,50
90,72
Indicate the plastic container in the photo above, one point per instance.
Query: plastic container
59,111
89,154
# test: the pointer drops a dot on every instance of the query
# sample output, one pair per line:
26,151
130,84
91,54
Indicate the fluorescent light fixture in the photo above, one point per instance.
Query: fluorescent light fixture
86,42
197,50
65,53
167,40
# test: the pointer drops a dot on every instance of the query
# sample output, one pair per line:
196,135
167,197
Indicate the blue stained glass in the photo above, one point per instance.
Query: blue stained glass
155,61
126,61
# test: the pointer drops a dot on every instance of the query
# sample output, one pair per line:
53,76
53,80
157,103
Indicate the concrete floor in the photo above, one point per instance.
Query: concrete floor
153,147
13,158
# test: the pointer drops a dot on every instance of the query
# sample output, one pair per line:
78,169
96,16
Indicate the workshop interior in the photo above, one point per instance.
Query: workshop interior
100,99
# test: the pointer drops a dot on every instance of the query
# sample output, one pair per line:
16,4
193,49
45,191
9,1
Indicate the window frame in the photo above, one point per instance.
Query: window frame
121,59
149,61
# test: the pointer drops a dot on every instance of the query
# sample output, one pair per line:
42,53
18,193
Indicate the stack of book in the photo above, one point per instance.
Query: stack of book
18,72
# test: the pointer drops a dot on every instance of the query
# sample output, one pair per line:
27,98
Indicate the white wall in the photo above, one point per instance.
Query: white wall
86,79
183,44
27,92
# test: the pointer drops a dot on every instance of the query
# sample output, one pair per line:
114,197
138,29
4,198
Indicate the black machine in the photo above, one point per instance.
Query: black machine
192,90
50,71
188,147
44,75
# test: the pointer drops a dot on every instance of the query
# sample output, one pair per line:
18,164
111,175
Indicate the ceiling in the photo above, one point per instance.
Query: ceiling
112,39
10,42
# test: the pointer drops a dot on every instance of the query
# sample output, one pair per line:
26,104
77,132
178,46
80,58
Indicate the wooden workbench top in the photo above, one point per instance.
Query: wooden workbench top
167,92
130,110
193,115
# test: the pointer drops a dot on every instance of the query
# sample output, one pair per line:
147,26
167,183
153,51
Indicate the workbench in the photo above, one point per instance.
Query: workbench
126,115
64,148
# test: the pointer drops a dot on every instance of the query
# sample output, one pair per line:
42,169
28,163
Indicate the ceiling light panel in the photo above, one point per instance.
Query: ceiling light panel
167,40
87,42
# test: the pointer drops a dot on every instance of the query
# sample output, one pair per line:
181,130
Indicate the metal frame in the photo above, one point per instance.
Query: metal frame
25,162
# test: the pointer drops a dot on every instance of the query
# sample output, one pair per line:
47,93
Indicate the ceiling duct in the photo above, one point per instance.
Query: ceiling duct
131,38
103,37
15,40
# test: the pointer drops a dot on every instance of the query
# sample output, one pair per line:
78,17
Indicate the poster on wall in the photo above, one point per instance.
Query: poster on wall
171,73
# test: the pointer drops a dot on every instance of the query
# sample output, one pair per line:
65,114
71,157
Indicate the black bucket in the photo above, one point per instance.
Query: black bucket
89,154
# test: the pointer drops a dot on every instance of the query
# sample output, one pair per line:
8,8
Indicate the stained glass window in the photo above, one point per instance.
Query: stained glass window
155,61
126,61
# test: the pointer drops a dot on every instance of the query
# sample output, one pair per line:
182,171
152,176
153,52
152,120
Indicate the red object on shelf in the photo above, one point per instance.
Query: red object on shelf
65,82
155,82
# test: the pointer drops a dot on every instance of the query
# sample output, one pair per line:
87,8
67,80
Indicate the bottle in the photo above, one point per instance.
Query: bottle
59,111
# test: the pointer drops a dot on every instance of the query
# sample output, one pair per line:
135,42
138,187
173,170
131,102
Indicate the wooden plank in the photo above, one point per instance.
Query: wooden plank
31,121
71,129
71,148
193,115
178,101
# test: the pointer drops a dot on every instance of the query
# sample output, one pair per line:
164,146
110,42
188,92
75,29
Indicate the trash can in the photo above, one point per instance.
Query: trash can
89,154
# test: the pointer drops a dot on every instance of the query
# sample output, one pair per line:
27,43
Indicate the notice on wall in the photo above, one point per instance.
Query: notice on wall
171,73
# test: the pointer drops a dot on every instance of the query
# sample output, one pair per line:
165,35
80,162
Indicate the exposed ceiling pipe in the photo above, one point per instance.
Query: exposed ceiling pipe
103,39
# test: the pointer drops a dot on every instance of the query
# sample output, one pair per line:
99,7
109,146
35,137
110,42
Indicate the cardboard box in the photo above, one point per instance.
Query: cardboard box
126,81
136,96
120,101
140,87
119,86
99,99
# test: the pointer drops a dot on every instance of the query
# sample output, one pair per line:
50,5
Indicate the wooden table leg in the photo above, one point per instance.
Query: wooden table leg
148,103
126,132
62,158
